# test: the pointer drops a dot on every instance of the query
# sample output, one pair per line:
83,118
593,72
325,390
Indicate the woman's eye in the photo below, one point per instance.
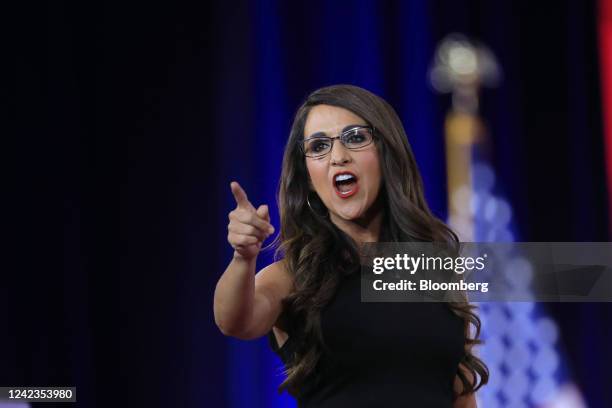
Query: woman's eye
355,138
318,146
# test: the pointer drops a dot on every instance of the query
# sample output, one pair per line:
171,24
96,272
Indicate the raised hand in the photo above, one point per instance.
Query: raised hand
248,227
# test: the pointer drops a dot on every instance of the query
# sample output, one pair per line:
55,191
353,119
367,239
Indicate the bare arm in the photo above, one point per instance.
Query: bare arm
247,305
234,294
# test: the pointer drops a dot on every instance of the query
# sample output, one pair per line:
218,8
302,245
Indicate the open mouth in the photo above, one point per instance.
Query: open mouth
345,184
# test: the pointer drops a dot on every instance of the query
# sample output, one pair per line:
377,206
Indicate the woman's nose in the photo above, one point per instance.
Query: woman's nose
339,154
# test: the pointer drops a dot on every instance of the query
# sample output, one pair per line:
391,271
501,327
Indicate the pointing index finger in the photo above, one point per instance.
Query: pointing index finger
240,196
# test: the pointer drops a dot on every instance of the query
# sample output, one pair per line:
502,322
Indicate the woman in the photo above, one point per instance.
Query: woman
348,177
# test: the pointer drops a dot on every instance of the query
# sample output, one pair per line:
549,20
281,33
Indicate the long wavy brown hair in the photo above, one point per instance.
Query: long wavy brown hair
318,254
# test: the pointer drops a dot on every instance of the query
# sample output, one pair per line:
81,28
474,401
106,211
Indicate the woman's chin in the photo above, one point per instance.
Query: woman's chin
349,214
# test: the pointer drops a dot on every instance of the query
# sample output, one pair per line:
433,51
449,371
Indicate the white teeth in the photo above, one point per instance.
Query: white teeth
342,177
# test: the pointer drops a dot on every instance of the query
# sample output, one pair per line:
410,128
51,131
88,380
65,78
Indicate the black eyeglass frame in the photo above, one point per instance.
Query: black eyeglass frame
372,130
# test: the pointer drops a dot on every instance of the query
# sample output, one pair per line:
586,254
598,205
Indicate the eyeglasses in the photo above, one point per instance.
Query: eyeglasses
353,139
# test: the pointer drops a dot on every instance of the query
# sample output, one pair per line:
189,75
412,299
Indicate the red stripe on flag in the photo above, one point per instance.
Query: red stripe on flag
605,55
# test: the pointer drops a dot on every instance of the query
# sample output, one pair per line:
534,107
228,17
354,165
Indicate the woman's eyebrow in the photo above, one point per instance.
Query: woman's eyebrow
323,134
317,134
349,127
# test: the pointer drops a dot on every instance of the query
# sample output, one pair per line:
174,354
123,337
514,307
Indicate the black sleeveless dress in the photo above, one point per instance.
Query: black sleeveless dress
382,354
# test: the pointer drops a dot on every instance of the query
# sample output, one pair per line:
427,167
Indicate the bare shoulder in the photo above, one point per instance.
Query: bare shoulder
272,285
274,281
